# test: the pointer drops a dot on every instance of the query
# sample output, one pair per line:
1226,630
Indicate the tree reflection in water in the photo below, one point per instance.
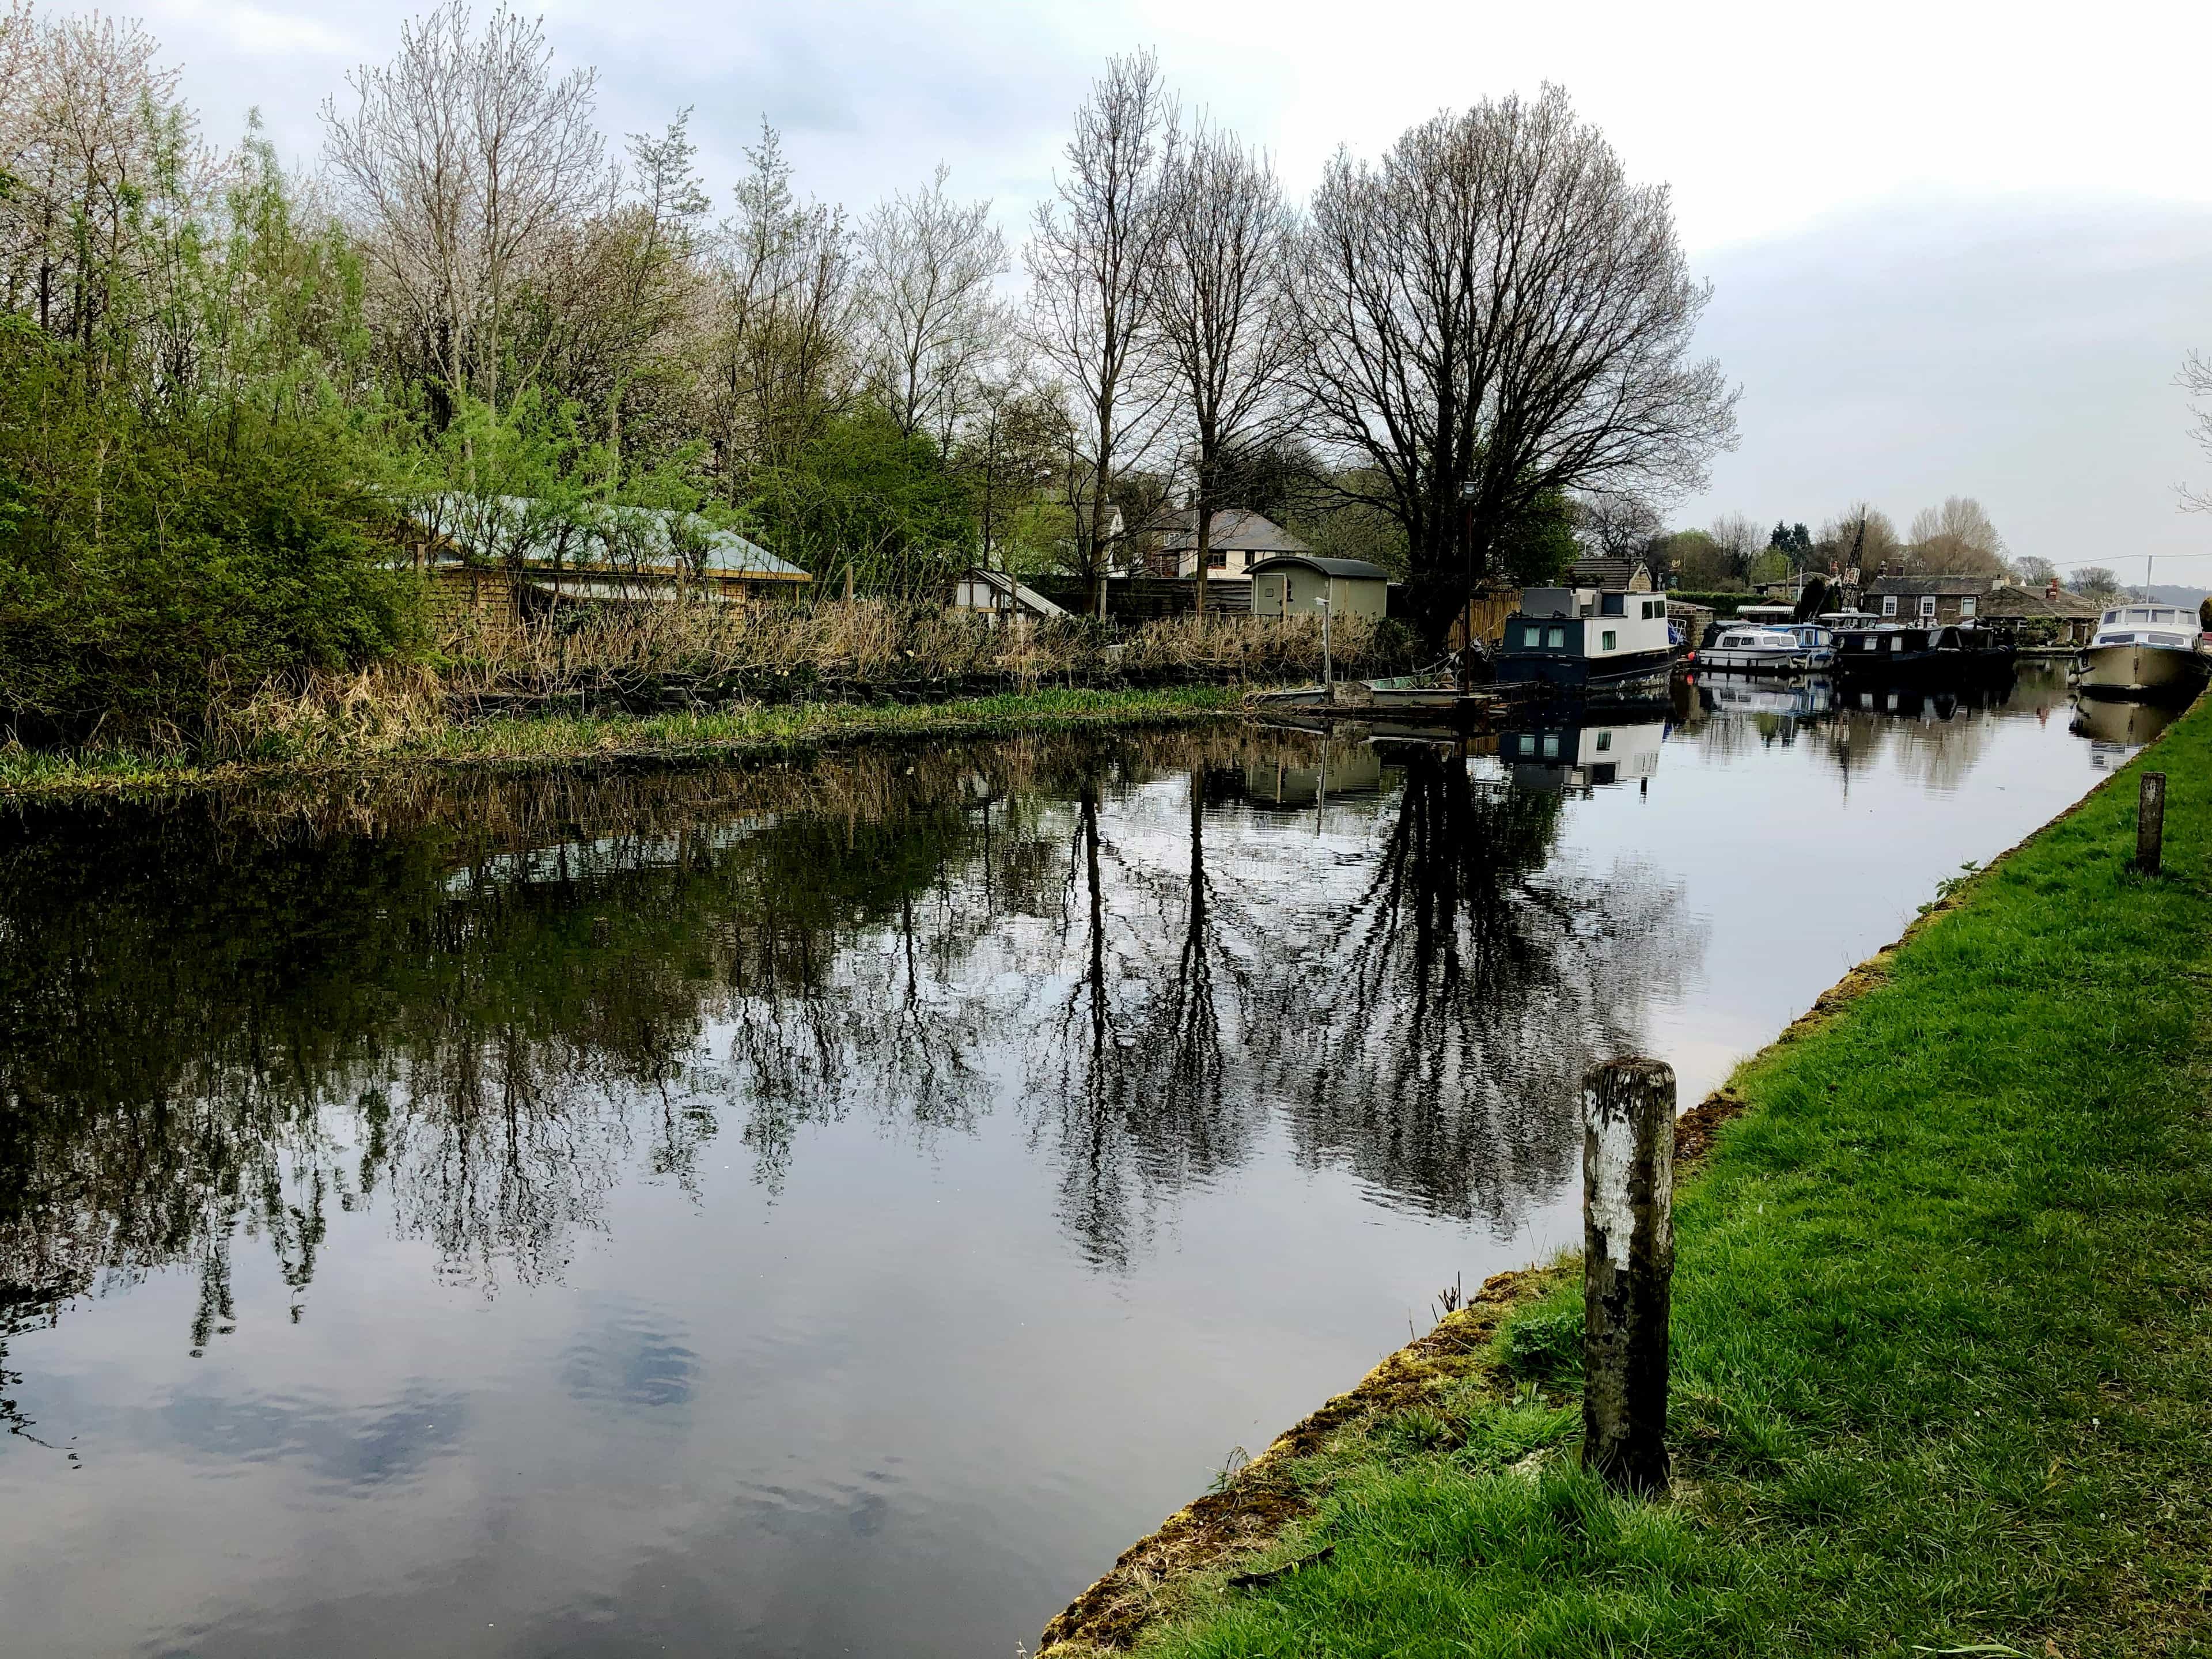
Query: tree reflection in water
481,1006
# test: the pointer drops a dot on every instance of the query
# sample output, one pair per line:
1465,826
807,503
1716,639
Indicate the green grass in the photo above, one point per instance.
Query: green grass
743,732
1944,1333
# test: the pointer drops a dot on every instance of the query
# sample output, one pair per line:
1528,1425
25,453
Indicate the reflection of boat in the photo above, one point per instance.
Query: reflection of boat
2144,650
2131,724
1585,636
1743,694
1334,770
1573,748
1764,651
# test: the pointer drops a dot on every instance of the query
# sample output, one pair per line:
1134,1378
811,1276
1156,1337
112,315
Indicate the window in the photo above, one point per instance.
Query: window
1967,606
1550,746
1604,742
1927,605
1605,640
1613,604
1215,560
1889,605
1555,638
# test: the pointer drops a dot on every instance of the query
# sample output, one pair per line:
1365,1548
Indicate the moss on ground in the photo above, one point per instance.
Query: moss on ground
1943,1373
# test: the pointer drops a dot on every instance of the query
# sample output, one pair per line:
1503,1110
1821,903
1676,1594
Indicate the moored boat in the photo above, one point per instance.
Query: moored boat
1580,638
2144,650
1756,651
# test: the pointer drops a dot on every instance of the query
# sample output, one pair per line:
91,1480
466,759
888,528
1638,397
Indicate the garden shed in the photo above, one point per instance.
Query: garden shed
1294,584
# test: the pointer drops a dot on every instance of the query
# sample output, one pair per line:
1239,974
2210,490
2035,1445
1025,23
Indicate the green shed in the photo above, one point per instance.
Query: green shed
1293,585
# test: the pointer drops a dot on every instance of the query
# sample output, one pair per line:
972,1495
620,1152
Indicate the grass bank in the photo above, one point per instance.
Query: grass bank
745,732
1942,1375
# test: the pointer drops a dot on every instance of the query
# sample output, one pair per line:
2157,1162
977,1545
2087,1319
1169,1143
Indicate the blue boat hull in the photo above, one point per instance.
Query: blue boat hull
1577,672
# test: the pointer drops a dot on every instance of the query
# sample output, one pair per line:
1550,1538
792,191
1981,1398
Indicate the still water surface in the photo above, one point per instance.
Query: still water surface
835,1210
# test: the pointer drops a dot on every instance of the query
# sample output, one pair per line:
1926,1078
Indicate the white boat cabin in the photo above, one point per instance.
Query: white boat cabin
2148,624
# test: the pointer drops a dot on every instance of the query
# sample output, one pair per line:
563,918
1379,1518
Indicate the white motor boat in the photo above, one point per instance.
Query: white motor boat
2144,650
1764,651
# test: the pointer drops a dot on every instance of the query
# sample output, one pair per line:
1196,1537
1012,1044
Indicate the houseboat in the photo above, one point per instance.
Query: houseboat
1916,655
1585,639
2144,650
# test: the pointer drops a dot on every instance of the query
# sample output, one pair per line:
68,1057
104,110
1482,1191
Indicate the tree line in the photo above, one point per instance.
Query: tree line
227,382
1955,537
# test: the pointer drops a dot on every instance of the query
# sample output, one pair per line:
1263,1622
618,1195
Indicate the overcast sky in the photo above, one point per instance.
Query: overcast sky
1956,248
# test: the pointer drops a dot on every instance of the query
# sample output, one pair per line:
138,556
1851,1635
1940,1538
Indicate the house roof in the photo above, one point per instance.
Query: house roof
498,526
1350,569
1234,530
2009,601
1597,570
1943,587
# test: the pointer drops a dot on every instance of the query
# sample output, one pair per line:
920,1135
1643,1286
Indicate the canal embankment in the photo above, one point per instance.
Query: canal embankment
741,732
1943,1337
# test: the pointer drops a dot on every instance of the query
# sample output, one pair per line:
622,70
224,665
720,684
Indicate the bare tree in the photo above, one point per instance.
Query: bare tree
93,145
1616,527
1958,539
463,162
782,350
927,264
1494,313
1089,260
2196,380
1220,302
1861,537
1739,541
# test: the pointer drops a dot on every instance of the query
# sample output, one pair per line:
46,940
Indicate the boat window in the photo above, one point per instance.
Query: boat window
1555,638
1897,641
1550,746
1613,604
1605,640
1604,742
2140,614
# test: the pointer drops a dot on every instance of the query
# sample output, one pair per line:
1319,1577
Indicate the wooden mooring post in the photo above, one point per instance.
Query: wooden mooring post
2151,822
1628,1269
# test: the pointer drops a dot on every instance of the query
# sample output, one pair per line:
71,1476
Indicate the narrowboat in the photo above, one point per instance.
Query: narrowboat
1580,638
1914,655
2143,651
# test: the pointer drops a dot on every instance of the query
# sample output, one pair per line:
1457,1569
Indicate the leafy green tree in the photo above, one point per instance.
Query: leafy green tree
864,498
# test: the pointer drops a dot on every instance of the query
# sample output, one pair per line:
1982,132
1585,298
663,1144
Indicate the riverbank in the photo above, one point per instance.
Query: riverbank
556,742
1942,1326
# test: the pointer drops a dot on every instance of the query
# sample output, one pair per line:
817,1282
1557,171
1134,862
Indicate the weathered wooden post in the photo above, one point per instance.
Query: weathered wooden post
1628,1269
2151,822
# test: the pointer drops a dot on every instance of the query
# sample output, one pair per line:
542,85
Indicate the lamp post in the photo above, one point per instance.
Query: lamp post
1327,663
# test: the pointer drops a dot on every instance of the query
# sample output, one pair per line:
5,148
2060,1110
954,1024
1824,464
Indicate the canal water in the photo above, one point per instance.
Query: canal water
835,1209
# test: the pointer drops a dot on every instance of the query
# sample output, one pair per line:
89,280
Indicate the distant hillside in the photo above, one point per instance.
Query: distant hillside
2167,594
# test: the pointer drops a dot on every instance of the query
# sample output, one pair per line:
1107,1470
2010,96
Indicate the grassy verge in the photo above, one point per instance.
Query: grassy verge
1943,1328
743,733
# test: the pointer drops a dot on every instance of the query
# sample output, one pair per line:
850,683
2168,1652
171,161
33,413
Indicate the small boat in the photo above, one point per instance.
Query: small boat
1764,651
1582,638
2144,650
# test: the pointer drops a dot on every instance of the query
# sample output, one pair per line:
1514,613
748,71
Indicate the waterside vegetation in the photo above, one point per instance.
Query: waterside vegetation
1942,1340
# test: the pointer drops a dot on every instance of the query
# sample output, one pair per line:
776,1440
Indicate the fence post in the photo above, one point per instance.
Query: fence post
2151,822
1628,1269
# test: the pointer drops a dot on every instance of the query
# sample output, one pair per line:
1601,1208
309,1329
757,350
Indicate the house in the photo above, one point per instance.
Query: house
997,596
1294,584
2041,615
1238,541
1927,601
1611,574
